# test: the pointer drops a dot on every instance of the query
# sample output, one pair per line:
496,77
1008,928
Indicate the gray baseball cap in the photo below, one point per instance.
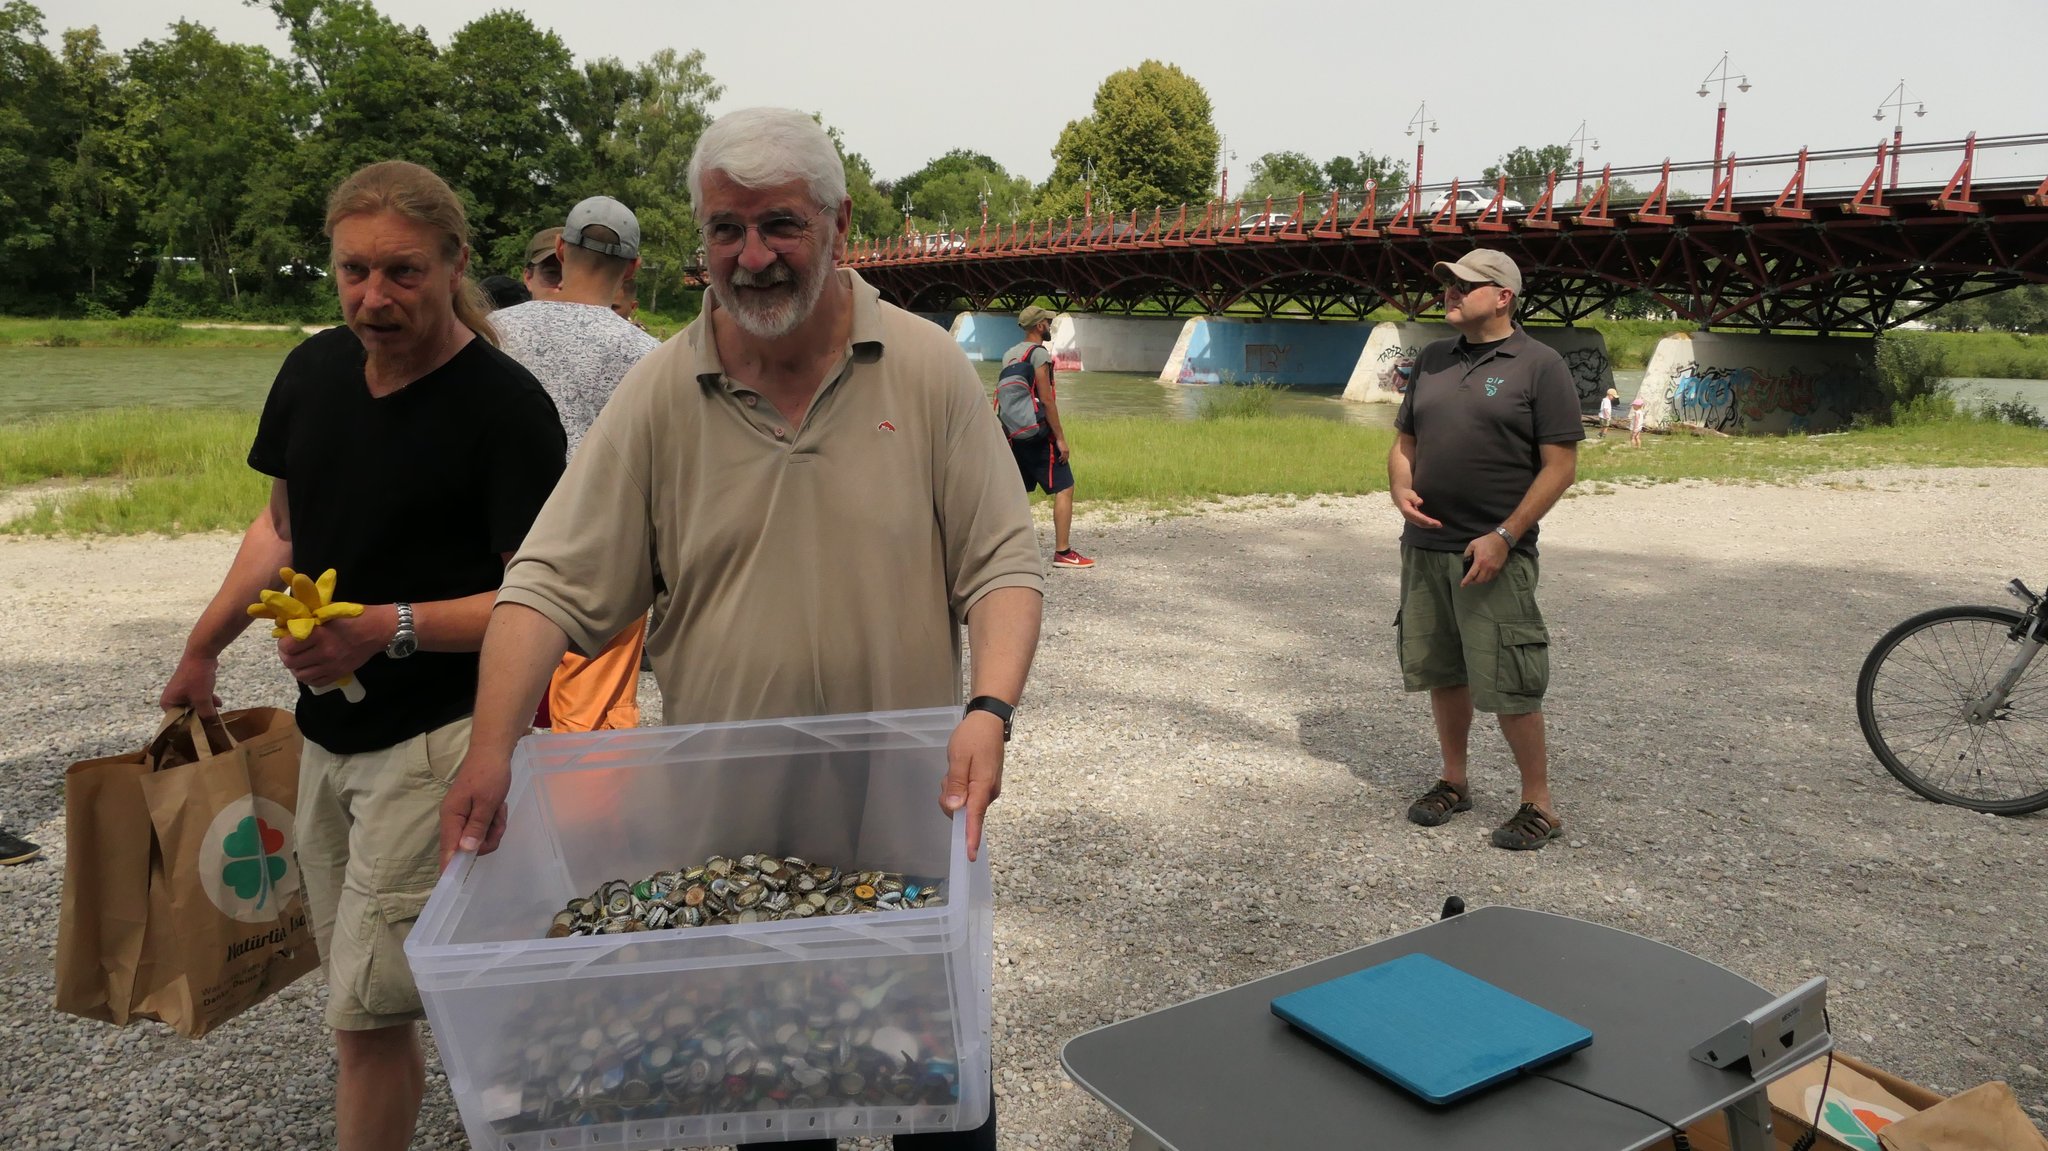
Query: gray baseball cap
1483,266
603,212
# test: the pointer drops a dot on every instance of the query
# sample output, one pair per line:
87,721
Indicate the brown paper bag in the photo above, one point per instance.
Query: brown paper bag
1984,1118
181,893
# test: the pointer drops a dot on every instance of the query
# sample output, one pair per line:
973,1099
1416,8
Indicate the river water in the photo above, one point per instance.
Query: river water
40,381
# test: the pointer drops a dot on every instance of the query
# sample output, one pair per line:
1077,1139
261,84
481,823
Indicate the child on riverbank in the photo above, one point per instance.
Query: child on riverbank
1635,422
1607,411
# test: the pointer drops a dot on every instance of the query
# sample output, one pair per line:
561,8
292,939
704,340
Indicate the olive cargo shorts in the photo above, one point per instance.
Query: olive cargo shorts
1488,635
370,852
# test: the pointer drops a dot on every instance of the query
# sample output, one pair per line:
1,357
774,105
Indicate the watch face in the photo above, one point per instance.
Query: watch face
403,646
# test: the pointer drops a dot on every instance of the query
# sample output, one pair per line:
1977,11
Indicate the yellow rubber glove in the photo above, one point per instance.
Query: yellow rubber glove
307,604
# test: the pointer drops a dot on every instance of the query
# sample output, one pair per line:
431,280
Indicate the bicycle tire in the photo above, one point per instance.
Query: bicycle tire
1935,664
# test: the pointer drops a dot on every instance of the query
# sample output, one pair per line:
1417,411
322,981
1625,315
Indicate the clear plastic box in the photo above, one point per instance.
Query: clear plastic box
832,1026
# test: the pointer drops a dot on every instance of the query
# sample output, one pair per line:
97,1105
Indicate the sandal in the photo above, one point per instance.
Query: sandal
1527,829
1439,804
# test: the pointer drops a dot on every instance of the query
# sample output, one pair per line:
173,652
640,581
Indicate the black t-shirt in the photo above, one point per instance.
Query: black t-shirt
1479,415
411,498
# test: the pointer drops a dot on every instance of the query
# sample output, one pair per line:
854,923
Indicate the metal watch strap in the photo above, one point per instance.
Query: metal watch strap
1503,532
405,636
995,707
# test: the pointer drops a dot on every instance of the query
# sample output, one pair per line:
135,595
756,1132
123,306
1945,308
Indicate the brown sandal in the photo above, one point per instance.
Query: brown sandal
1439,804
1527,829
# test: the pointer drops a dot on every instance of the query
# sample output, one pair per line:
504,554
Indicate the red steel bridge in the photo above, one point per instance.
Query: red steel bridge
1816,241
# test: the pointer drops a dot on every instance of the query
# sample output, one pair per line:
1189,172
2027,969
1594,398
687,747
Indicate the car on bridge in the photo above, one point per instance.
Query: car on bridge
1470,203
941,243
1265,222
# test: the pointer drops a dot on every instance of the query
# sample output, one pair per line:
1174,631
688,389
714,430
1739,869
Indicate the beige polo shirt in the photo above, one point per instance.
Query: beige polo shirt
815,569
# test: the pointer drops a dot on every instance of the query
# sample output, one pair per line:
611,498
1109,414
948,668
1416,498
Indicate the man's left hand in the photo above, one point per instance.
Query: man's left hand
1488,553
339,646
974,772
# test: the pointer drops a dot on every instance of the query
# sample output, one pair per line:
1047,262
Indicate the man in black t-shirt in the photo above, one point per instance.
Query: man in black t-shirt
410,455
1486,441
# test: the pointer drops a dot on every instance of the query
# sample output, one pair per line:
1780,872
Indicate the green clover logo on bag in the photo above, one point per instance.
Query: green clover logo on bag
245,861
253,863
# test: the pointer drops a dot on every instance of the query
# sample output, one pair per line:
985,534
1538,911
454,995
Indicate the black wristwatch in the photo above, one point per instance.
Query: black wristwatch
994,707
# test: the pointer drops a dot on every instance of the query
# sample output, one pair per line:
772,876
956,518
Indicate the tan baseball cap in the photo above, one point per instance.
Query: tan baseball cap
542,246
1033,316
1483,266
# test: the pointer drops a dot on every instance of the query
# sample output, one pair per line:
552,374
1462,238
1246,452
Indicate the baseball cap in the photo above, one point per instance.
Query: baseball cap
1636,403
603,212
542,246
1033,316
1483,265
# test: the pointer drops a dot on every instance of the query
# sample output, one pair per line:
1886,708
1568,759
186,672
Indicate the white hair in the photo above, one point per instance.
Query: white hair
763,147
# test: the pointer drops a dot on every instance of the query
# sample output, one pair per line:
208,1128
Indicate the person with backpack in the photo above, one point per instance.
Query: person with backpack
1030,415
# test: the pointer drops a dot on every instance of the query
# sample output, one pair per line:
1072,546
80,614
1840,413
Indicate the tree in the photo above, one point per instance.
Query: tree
95,155
644,162
31,78
1349,175
1528,170
949,191
1149,142
1284,176
511,85
217,120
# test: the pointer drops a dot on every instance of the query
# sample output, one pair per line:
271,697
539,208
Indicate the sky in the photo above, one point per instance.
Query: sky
908,82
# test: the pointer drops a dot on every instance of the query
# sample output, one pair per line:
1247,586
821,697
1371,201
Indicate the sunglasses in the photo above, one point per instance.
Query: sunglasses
1465,289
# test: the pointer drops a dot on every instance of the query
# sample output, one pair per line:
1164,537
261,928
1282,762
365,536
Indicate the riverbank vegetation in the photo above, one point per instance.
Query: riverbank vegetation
130,471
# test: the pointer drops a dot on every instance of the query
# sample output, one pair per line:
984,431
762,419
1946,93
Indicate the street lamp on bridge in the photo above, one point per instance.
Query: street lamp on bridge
1416,126
906,213
1721,74
1583,141
1897,102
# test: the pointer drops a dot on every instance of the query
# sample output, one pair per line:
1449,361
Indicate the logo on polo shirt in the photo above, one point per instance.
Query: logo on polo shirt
1493,384
885,426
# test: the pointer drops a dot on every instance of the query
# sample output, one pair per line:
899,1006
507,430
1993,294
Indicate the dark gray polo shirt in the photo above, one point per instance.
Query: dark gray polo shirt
1479,419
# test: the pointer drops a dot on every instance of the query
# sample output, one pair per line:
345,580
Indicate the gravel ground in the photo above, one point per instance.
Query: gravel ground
1209,781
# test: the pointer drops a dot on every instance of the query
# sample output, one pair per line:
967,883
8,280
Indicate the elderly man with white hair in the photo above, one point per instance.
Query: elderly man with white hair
809,482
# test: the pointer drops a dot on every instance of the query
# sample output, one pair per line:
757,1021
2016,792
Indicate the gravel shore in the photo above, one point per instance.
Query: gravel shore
1209,778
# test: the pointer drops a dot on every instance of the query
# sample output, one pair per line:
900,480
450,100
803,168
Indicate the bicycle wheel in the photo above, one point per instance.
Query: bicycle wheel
1914,697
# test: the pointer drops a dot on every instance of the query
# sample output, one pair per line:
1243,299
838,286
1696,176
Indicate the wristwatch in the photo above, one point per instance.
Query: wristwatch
406,641
994,707
1505,534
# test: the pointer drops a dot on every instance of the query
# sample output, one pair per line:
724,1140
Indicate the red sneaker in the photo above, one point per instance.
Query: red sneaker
1071,559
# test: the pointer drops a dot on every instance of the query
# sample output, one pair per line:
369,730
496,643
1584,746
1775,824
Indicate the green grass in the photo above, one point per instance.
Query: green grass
168,472
1169,463
1992,355
136,332
149,472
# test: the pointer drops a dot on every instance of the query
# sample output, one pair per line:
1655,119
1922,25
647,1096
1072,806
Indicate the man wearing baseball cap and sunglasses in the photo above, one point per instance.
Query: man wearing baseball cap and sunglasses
1486,441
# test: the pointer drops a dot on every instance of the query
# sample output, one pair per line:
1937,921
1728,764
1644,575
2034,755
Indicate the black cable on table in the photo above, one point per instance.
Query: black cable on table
1678,1140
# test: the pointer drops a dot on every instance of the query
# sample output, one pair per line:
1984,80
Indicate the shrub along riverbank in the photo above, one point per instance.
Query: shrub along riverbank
129,471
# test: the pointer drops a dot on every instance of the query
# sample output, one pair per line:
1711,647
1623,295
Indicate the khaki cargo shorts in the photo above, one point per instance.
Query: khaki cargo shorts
369,829
1488,635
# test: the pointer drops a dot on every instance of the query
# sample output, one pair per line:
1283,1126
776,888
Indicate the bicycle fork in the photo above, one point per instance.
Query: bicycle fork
2030,632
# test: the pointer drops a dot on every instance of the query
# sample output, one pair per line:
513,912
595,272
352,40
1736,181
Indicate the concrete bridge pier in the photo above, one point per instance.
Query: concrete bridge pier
1373,379
1749,384
1227,350
1081,341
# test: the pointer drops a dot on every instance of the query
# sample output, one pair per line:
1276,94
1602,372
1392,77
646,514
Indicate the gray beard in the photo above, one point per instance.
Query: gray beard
776,322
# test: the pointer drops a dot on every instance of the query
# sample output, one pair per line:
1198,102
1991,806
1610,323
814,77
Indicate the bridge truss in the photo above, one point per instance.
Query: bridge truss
1755,253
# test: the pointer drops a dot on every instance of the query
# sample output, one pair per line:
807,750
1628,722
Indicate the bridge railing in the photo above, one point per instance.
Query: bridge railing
1947,172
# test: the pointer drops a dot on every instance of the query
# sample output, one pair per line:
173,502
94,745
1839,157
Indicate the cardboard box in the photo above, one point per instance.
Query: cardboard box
1856,1085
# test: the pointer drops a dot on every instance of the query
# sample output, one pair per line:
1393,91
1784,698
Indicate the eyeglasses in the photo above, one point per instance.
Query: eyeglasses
784,233
1465,289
